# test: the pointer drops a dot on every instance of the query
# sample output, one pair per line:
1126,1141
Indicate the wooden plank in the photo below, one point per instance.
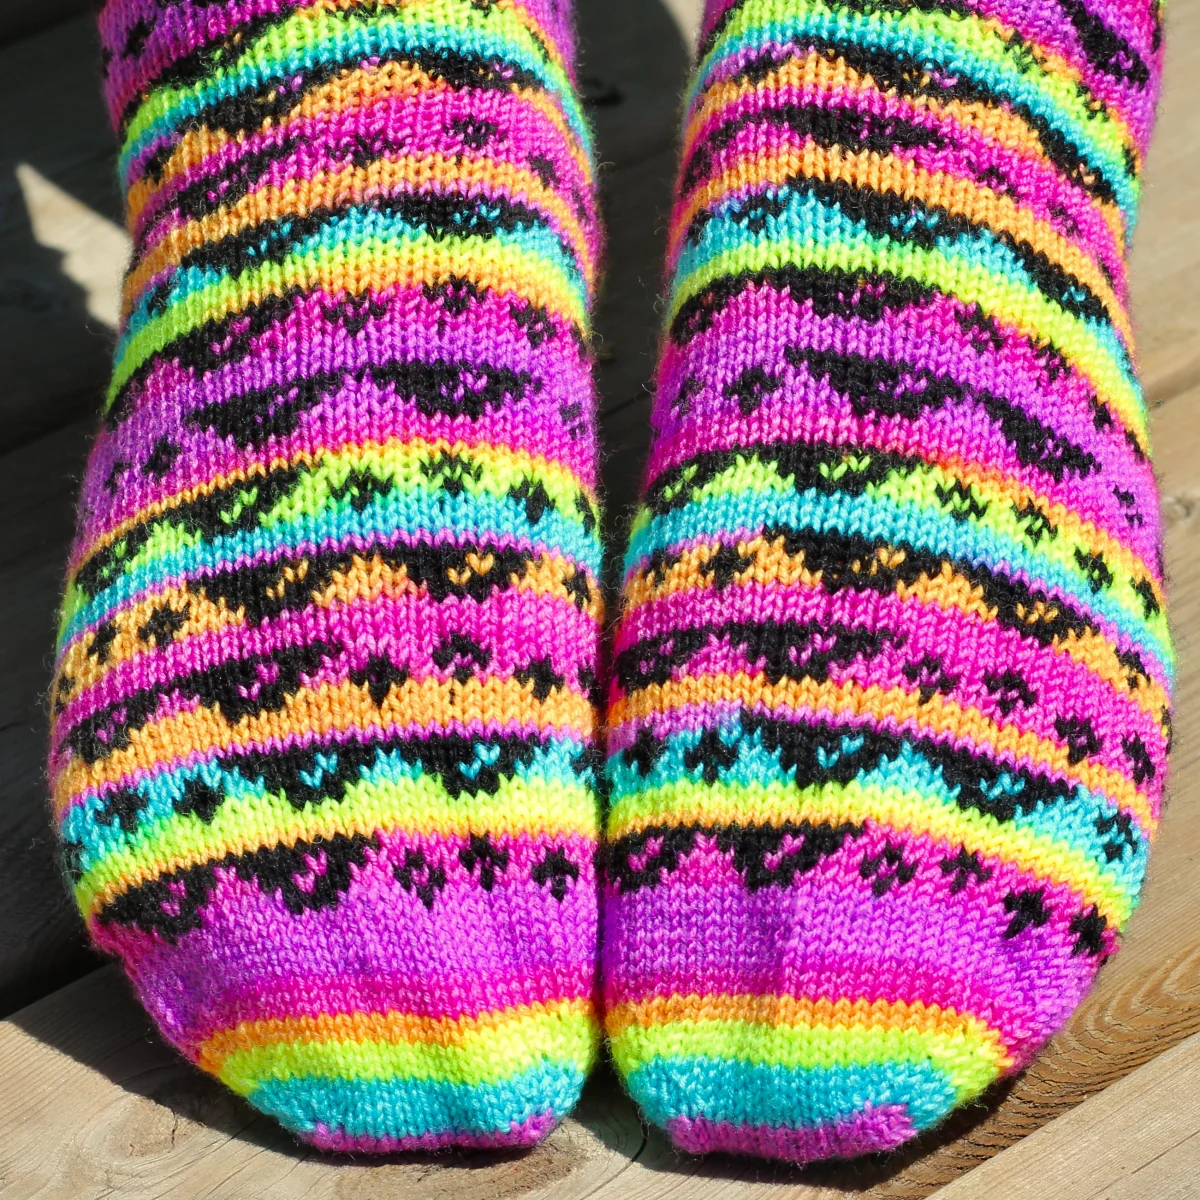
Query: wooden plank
55,261
1138,1140
1165,265
41,939
127,1117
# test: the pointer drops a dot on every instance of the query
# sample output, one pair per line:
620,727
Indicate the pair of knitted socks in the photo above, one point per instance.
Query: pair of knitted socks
888,712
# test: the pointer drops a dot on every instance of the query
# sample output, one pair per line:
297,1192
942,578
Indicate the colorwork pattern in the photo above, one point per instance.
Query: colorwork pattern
322,755
889,726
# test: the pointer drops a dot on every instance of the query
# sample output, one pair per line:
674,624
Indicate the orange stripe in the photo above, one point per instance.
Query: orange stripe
364,581
814,73
355,91
356,185
797,1011
330,708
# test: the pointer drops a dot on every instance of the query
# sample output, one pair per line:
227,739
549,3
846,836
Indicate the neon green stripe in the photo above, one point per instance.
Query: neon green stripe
419,804
973,40
481,1057
969,1062
332,36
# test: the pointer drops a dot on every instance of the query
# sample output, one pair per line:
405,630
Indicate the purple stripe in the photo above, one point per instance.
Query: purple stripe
411,328
929,336
471,951
830,935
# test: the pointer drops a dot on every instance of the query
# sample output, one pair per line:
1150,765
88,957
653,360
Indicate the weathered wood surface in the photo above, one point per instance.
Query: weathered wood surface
1137,1140
125,1116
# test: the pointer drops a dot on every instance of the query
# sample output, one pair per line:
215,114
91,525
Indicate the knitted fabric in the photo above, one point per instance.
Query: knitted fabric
890,718
321,759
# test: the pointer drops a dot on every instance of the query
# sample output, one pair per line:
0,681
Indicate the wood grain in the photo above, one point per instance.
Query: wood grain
1080,1156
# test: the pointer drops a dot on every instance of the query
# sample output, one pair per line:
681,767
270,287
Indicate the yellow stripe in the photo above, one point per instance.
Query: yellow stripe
688,801
392,1026
485,1055
419,805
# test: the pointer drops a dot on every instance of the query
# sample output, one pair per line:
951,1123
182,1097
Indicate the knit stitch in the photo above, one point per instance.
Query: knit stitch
890,720
321,758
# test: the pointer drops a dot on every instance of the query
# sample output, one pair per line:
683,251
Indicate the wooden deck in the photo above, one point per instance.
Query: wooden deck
93,1105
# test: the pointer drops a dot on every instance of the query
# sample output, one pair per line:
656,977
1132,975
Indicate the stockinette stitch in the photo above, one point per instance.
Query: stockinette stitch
323,712
890,718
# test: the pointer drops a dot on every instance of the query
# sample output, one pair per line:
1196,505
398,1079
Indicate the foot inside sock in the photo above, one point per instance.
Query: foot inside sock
324,705
890,718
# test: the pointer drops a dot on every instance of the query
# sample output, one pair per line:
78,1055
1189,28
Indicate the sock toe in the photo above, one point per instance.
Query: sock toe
776,1079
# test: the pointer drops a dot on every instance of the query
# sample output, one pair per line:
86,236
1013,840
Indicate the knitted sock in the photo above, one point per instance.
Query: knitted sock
890,718
321,759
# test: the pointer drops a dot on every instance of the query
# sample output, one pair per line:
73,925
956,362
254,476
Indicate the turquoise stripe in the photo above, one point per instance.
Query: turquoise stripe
360,225
1071,825
497,521
745,1093
360,38
808,219
551,763
746,514
400,1108
920,42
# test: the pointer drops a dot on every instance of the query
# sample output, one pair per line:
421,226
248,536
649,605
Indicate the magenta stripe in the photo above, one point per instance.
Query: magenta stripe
875,1128
972,651
410,629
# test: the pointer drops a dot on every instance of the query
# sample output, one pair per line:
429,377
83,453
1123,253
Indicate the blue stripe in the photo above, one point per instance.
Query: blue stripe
808,219
1072,823
400,1108
745,1093
551,763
